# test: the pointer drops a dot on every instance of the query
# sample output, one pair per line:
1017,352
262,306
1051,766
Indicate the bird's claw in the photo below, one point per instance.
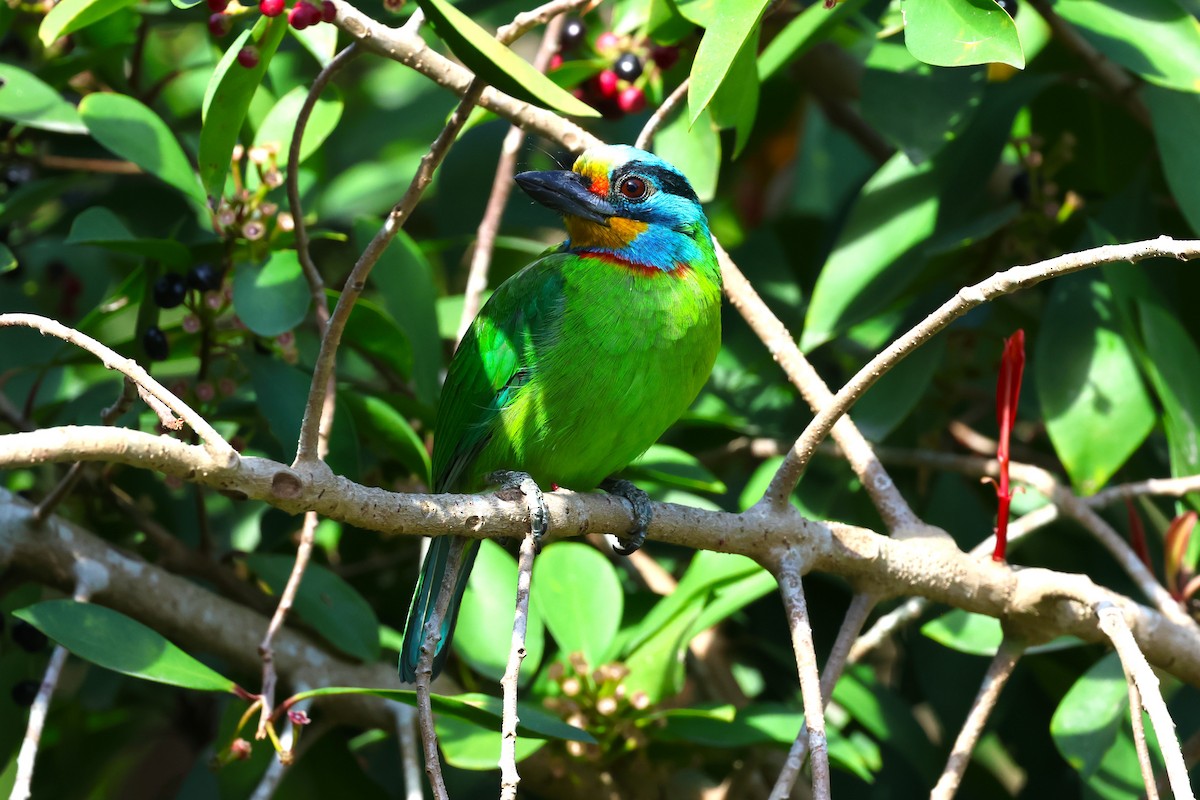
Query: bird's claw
511,481
643,514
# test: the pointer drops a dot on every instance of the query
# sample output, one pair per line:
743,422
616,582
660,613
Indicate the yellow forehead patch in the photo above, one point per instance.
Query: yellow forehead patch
619,233
597,174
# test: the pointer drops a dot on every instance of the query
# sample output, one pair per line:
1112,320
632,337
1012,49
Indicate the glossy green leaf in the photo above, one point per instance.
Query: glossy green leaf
389,432
805,29
1157,39
479,709
320,40
735,105
958,33
981,635
1173,363
671,466
896,211
730,597
280,122
889,718
26,99
1176,118
69,16
656,666
100,227
326,602
372,331
471,747
728,30
484,632
8,262
1096,409
271,298
894,396
1089,718
405,280
134,132
579,596
498,65
695,150
228,99
114,641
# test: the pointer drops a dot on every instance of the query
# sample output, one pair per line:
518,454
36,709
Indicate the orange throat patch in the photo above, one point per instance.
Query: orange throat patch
619,234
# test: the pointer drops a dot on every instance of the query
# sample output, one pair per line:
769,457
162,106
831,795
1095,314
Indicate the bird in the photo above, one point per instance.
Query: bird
580,361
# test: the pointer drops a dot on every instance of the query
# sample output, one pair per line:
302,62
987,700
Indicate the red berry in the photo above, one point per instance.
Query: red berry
556,61
607,41
303,15
248,57
665,56
606,83
217,6
219,25
271,8
328,11
631,100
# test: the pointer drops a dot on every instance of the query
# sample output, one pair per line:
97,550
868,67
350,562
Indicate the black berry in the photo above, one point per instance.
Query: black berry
154,342
572,34
169,290
24,693
1021,187
204,278
1010,7
28,638
628,66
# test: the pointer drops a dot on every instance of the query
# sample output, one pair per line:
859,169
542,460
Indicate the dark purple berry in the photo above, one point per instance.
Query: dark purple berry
665,56
169,290
28,638
248,57
572,34
219,25
217,6
1009,6
154,342
25,692
204,278
628,66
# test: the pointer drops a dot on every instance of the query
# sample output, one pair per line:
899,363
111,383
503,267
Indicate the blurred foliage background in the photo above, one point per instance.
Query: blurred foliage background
859,174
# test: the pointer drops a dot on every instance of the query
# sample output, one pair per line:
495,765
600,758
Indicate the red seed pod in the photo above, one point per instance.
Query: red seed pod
271,8
556,61
631,100
606,83
607,41
217,6
248,57
219,25
328,11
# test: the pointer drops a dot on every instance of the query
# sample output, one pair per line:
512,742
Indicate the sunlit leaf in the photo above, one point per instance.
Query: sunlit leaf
273,297
958,33
26,99
69,16
280,122
579,596
485,622
727,31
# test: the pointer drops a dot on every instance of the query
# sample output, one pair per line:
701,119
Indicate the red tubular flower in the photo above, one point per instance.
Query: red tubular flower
1137,535
1008,393
1175,547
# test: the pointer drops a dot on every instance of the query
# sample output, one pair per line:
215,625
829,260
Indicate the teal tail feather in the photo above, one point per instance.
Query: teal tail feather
444,552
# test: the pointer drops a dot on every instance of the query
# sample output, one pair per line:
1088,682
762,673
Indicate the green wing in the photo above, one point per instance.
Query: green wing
493,362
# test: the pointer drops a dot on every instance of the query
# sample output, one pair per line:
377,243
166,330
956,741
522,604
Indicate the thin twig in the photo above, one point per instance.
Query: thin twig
789,573
406,738
277,767
94,165
213,441
489,226
659,118
1113,624
509,778
997,675
1002,283
1139,737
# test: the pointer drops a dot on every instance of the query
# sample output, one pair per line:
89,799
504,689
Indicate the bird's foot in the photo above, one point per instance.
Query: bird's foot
643,514
510,483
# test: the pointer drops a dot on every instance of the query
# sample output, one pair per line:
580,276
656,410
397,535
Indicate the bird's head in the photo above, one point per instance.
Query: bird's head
625,203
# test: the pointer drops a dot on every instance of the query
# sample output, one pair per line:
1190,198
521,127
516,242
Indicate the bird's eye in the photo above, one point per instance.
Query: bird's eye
633,188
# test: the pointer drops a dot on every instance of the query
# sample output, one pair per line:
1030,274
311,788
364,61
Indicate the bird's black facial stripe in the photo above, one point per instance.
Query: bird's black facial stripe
667,180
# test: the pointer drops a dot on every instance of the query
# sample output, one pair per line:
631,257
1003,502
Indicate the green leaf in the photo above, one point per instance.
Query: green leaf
479,709
114,641
672,466
271,298
100,227
498,65
326,602
186,4
893,397
228,99
694,149
735,105
484,632
729,598
1096,409
728,30
888,718
806,29
579,596
1090,717
1176,117
72,15
372,330
280,122
405,279
976,634
958,33
8,262
471,747
1156,39
656,667
1173,365
386,429
25,99
895,212
134,132
320,40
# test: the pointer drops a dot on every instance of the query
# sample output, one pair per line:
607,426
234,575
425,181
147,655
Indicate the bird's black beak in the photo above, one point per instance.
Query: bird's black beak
567,193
